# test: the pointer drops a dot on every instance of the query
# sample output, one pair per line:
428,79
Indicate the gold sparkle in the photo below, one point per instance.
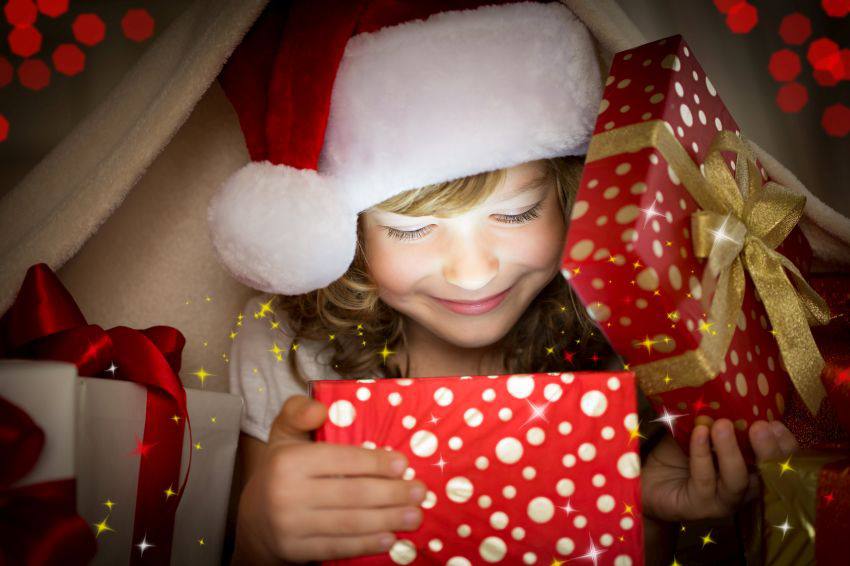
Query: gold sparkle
786,467
265,308
550,350
576,271
667,379
673,316
635,433
109,504
637,264
675,562
331,337
294,347
233,335
201,541
274,324
176,419
646,343
203,374
385,353
198,446
102,526
213,420
276,350
706,327
208,299
169,492
628,509
706,539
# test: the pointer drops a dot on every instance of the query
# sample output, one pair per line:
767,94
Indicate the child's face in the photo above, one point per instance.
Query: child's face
469,278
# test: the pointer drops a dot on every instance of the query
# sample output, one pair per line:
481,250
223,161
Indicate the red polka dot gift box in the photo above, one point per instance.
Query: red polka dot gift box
687,255
520,469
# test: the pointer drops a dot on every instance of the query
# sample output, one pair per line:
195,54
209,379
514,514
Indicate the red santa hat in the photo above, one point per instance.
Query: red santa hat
350,103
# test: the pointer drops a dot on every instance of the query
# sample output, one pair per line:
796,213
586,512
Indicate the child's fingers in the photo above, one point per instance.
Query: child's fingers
351,522
334,547
318,459
343,493
298,416
787,443
765,443
703,475
730,461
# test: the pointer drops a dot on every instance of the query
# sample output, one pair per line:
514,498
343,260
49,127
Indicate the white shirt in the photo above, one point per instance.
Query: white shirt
259,378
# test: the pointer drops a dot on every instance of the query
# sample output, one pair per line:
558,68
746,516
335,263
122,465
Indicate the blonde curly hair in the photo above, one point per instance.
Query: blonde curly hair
362,325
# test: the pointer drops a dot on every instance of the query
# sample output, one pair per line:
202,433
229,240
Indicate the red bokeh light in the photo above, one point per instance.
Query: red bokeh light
836,120
725,5
836,8
6,72
53,8
4,128
784,65
20,13
137,25
795,29
25,41
742,17
826,60
34,74
792,97
89,29
69,59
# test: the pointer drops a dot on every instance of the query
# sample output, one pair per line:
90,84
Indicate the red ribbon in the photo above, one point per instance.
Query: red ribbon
44,323
39,522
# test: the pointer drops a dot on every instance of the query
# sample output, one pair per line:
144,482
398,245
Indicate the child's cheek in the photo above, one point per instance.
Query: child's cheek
394,266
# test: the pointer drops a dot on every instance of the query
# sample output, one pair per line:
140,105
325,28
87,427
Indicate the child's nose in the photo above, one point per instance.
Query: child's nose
470,264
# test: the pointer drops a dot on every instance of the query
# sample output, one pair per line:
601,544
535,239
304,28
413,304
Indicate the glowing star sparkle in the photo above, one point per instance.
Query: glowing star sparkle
265,308
102,527
784,527
650,213
203,374
721,234
592,553
706,539
169,492
568,508
537,412
109,504
111,369
142,449
785,467
669,419
635,433
385,353
647,343
144,545
441,463
433,419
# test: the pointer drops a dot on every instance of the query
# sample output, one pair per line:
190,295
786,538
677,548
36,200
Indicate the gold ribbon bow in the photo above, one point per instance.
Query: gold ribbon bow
741,223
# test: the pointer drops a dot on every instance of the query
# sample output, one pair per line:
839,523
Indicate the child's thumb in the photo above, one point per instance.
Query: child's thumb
298,416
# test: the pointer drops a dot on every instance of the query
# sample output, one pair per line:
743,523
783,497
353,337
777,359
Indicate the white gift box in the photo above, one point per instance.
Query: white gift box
110,417
91,427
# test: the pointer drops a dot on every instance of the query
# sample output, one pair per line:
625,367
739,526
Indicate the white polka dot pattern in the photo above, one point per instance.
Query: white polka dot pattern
560,466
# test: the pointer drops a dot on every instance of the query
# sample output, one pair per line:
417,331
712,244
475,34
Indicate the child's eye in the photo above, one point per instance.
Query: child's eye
526,216
408,234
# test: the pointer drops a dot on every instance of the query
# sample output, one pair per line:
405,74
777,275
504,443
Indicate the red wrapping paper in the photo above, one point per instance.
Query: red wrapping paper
629,252
520,469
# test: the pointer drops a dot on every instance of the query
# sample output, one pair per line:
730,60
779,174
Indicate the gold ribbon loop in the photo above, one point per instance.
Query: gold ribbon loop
741,223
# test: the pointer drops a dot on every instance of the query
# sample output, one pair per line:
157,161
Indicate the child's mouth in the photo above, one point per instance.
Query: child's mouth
479,306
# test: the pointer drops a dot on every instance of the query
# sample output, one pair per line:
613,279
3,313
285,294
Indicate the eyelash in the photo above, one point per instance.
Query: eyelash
527,216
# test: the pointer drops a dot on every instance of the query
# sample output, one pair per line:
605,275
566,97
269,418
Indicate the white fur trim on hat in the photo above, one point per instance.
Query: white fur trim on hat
281,229
460,93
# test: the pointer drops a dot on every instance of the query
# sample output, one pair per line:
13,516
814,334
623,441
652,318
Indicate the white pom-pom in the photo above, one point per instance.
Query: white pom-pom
282,230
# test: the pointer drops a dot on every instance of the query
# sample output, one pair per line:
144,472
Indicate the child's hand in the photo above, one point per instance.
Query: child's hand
675,487
298,506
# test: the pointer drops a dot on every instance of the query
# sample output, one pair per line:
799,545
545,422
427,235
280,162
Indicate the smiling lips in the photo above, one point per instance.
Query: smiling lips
480,306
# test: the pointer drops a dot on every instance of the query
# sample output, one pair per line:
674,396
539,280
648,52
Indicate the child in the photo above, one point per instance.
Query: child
458,276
